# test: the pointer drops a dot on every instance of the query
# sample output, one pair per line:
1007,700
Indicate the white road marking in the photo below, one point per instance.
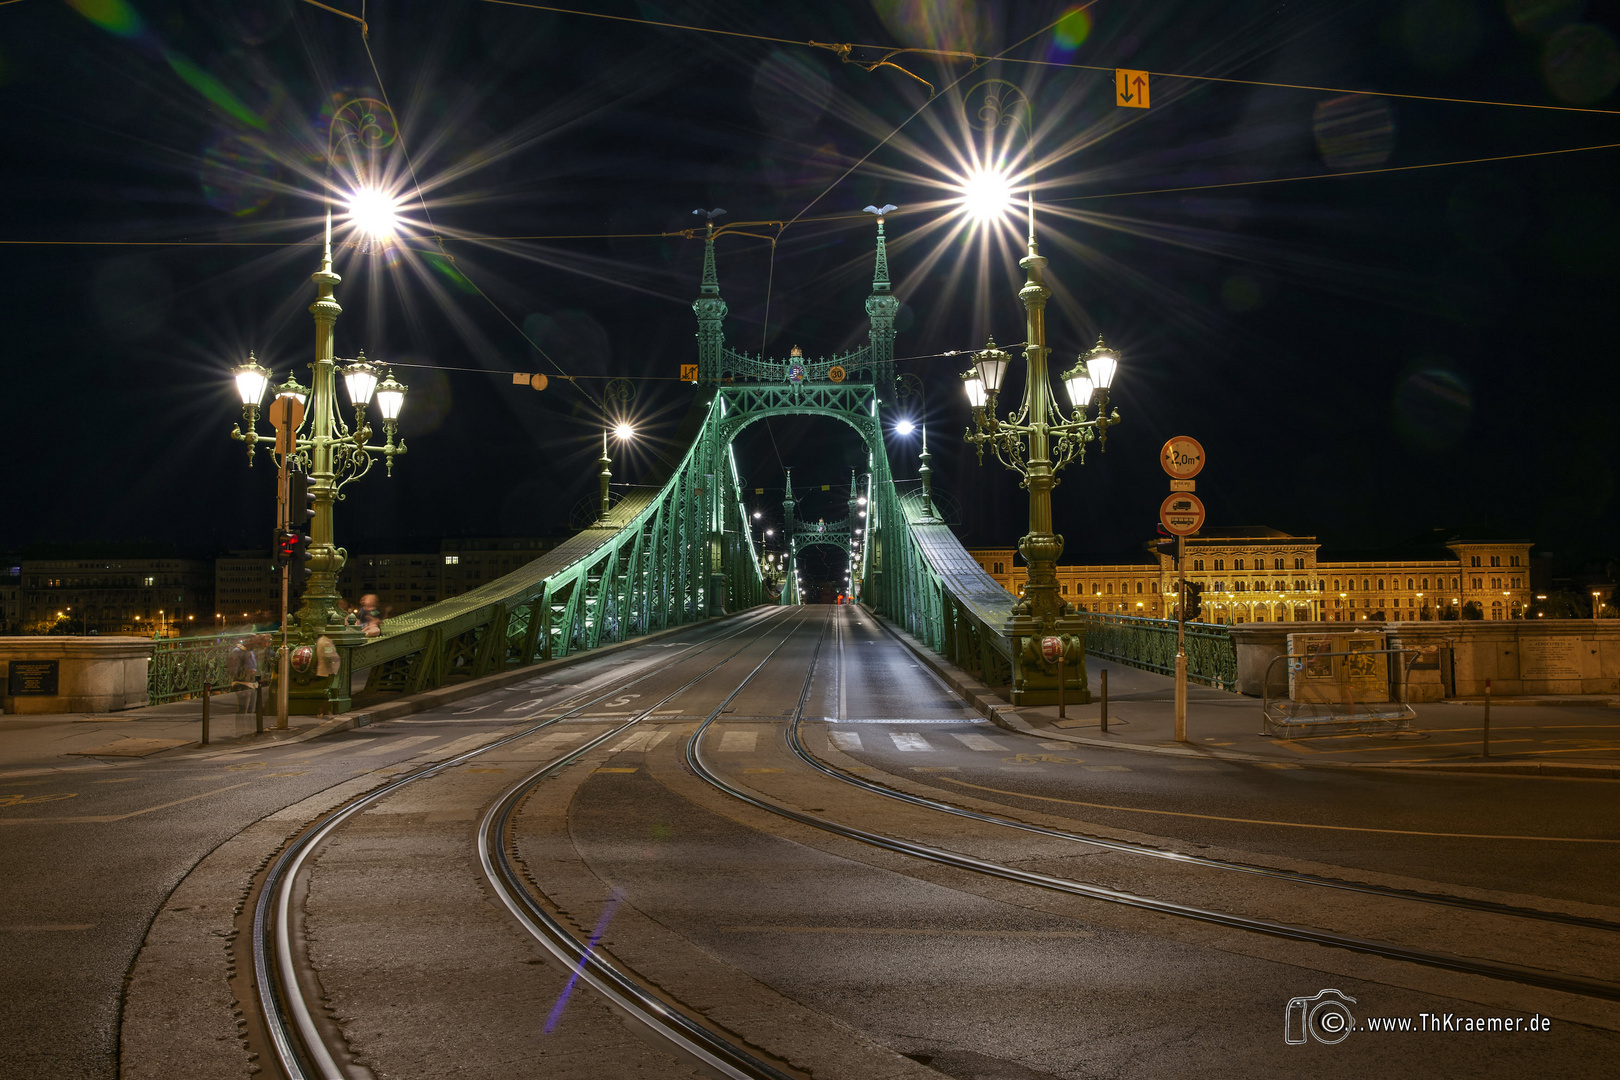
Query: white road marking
980,742
640,740
735,742
845,740
909,741
466,742
383,746
317,752
1106,768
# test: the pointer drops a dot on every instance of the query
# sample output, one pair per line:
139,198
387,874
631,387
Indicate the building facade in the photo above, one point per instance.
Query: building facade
409,580
1264,575
247,589
117,596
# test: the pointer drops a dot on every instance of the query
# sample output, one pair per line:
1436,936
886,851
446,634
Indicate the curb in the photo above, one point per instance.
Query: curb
996,710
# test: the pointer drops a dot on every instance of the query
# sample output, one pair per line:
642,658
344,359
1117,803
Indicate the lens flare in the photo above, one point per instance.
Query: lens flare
986,194
374,213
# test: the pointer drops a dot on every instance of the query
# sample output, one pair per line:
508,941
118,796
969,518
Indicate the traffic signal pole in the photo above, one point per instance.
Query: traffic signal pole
1181,639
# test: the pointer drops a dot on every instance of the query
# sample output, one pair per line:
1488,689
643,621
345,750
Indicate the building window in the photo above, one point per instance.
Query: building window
1155,586
1237,564
1513,560
151,581
1380,584
1473,560
1110,588
1496,610
1299,563
1138,588
1516,583
1425,583
1335,584
452,560
1065,593
1496,560
1198,564
1220,564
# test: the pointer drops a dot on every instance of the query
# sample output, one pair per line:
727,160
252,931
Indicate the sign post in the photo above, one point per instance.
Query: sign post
1181,514
286,414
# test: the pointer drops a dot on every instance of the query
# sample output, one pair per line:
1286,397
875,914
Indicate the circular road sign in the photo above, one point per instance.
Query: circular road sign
1051,648
1182,457
1181,513
836,373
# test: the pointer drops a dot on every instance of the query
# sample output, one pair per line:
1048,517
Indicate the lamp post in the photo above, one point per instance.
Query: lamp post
1037,441
317,439
622,432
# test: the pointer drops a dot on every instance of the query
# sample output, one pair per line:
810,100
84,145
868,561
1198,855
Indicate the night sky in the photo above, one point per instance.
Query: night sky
1364,357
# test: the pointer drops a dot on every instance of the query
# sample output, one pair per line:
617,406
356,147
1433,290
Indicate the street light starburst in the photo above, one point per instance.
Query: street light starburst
987,194
374,212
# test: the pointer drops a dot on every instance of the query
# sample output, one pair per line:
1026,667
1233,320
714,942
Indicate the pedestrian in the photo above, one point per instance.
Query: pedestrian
371,615
242,667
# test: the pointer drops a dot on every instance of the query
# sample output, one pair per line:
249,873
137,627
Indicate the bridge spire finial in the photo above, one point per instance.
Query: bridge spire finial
880,271
709,308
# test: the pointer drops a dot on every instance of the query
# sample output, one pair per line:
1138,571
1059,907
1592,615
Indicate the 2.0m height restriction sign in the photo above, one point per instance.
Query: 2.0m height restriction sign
1182,457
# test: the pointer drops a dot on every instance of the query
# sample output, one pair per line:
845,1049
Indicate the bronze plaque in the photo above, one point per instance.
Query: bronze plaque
32,678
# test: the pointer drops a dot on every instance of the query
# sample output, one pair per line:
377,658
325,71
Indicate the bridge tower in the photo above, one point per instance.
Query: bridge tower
710,310
881,307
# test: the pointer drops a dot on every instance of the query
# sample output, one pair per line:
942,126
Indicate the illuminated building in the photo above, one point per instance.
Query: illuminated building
1264,575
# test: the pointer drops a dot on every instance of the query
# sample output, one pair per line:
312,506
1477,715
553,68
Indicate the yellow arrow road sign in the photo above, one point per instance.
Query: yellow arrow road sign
1130,88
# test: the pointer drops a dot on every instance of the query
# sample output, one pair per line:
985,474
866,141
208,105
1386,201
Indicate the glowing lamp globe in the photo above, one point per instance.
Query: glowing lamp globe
374,213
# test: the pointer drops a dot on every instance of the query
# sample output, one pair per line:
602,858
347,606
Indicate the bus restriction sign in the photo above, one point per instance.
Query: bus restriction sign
1181,513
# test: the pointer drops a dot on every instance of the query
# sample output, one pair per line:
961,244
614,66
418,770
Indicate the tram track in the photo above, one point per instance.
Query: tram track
289,1023
1500,970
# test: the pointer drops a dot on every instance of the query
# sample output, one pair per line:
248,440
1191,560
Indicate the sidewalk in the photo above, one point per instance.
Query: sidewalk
93,740
1534,736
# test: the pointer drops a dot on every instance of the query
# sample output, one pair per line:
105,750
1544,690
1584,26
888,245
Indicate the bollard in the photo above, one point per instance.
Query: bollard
1061,714
206,688
1103,675
1487,729
258,707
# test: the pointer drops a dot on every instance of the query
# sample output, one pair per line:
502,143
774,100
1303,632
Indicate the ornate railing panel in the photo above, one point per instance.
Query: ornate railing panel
1150,644
180,667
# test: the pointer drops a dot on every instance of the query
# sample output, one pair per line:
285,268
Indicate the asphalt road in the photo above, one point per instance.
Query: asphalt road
840,958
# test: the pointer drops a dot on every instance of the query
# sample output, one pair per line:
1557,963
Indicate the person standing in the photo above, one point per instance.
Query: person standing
242,666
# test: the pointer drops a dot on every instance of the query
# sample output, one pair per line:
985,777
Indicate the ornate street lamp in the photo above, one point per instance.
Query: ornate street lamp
1037,441
328,450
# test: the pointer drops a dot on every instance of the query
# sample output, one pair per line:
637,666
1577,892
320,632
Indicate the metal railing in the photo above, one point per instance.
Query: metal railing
1150,644
181,667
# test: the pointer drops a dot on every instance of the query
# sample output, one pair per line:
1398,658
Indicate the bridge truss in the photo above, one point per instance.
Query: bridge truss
681,550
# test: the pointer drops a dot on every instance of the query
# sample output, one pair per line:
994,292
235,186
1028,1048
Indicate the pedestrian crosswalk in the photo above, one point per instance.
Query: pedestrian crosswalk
732,740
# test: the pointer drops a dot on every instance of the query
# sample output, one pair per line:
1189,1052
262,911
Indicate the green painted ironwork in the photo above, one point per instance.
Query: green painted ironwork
1150,644
180,667
678,551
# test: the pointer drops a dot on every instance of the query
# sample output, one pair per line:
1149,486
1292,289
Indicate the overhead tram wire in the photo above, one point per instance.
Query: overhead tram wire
846,52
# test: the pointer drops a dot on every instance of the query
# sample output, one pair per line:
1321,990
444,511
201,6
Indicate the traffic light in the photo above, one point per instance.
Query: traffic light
1191,603
1166,545
295,544
283,548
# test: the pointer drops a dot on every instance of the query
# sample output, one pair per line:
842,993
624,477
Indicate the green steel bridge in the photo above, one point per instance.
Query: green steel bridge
681,550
